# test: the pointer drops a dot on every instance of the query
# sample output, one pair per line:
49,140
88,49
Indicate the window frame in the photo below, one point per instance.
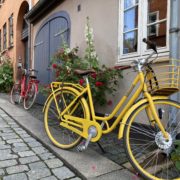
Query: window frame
154,23
11,30
5,36
142,51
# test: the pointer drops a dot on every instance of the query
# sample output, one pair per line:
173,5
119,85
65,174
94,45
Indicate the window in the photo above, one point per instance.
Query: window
140,19
4,36
153,26
0,42
130,30
1,2
11,33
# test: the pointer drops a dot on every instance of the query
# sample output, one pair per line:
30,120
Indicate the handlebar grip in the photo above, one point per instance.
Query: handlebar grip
151,44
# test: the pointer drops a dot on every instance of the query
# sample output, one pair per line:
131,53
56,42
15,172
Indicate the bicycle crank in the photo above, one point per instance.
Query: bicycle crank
92,133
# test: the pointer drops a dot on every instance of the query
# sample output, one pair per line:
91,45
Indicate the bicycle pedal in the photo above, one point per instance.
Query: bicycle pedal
81,148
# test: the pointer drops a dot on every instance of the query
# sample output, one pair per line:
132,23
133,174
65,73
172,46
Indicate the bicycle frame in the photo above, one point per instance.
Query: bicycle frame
24,88
151,111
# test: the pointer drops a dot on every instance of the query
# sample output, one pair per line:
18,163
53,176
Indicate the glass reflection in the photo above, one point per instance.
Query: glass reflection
129,3
157,17
157,34
130,42
131,19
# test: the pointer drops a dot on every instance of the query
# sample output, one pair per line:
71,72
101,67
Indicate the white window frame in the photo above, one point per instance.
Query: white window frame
156,22
142,33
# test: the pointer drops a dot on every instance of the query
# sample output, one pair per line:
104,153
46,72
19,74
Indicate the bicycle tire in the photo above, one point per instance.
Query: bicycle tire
144,142
30,97
60,136
15,94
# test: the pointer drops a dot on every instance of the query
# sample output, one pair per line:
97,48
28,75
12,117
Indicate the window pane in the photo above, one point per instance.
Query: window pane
130,42
129,3
157,14
157,34
159,7
131,19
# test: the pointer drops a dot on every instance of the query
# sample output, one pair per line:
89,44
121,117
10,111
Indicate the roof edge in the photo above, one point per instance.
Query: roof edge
39,9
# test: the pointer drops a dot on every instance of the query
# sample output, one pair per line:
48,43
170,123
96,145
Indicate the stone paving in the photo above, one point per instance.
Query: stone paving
23,157
113,148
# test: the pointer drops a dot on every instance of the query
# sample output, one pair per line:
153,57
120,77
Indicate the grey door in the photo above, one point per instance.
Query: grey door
48,40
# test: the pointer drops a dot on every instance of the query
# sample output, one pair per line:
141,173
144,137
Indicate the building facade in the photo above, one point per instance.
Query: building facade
119,27
14,30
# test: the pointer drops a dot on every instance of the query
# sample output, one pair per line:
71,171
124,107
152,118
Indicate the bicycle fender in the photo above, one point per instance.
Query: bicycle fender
67,87
129,112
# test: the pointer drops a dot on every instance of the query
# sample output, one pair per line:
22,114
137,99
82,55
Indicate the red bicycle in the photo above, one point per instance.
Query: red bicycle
25,89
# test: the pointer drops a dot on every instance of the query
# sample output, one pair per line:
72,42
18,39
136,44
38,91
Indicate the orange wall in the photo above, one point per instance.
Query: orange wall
17,8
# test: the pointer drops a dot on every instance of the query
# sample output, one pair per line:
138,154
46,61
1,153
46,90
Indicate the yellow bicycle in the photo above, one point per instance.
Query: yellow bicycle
150,125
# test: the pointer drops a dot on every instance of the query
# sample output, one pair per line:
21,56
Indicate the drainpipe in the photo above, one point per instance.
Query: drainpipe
29,38
174,43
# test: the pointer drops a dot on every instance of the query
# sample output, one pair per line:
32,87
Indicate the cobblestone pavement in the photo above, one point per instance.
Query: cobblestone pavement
23,157
113,148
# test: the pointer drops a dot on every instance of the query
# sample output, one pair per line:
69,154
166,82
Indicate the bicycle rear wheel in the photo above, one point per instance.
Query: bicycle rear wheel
30,97
148,151
60,136
15,94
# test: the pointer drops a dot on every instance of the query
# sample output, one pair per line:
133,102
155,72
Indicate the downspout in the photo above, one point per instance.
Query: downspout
29,38
174,44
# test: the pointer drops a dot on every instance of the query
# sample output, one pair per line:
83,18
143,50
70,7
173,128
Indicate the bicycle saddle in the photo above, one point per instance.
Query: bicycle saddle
84,72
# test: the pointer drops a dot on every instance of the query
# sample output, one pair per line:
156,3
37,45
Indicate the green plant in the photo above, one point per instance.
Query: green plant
6,74
175,155
102,82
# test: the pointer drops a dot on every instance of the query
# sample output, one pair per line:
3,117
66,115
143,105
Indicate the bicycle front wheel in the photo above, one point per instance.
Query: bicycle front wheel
60,136
15,94
148,151
30,97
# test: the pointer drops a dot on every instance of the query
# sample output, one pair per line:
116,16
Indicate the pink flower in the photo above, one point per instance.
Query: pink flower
81,82
98,84
54,66
94,75
109,103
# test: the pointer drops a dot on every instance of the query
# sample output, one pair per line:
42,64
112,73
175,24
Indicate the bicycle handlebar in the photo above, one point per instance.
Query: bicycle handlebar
151,44
143,62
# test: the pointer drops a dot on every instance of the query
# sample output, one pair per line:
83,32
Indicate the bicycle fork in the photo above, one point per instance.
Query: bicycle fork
155,117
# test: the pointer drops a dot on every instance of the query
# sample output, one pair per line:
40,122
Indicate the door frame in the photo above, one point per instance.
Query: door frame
53,16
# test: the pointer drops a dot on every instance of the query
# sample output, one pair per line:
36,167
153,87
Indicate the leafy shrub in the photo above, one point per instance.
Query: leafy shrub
6,74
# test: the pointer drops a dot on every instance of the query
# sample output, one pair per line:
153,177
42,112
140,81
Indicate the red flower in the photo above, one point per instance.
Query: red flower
109,102
94,75
57,73
54,66
81,82
99,84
